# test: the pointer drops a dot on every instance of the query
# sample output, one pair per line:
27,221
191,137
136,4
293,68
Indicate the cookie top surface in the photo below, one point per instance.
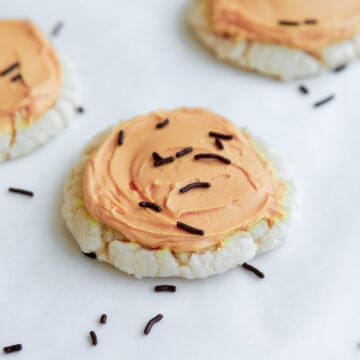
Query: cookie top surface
241,193
305,24
30,74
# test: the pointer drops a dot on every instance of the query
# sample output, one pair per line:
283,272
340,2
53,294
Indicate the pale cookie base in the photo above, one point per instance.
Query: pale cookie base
54,120
273,60
111,247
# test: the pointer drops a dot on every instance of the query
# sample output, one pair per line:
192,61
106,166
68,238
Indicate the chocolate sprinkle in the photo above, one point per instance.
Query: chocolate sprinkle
93,337
303,89
90,255
310,21
103,319
21,191
151,323
340,68
156,156
57,28
150,205
288,23
324,101
219,144
12,348
121,137
184,151
254,270
9,69
167,288
163,124
194,185
220,136
212,156
80,110
190,229
164,161
16,78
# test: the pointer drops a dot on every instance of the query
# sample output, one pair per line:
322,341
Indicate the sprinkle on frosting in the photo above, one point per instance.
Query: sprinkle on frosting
195,185
184,151
212,156
288,23
162,124
220,136
242,194
9,69
164,161
310,22
219,144
16,78
121,137
156,156
150,205
190,229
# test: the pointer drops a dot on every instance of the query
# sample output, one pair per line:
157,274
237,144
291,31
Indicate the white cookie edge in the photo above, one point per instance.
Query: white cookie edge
272,60
131,258
60,116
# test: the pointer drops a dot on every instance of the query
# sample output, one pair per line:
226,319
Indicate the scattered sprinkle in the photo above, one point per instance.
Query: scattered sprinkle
162,124
310,21
94,340
220,136
90,255
9,69
184,151
103,319
156,156
167,288
324,101
150,205
80,110
12,348
16,78
164,161
219,144
194,185
57,28
121,137
254,270
151,323
190,229
21,191
303,89
288,23
340,68
212,156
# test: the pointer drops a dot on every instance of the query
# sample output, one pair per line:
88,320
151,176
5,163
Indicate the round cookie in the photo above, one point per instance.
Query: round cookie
285,39
177,193
38,92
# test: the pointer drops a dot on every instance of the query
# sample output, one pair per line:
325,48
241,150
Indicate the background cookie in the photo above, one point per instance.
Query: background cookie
282,39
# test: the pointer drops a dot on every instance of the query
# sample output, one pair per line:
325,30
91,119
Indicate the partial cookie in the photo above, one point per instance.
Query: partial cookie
282,39
38,93
177,193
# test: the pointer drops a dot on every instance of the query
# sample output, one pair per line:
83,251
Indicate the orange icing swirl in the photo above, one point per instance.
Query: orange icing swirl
258,20
39,75
242,193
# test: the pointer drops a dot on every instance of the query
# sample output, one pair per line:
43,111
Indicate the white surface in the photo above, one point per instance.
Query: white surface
135,56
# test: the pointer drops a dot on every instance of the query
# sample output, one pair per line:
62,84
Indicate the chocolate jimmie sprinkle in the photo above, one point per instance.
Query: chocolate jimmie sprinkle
190,229
80,110
21,191
150,205
93,337
220,136
163,124
324,101
310,21
288,23
219,144
156,156
164,161
57,28
194,185
254,270
103,319
303,89
121,137
151,323
9,69
340,68
184,151
163,288
212,156
12,348
16,78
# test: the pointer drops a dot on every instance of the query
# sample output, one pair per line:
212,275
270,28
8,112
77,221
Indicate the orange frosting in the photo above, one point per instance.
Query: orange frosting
33,86
117,178
258,20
